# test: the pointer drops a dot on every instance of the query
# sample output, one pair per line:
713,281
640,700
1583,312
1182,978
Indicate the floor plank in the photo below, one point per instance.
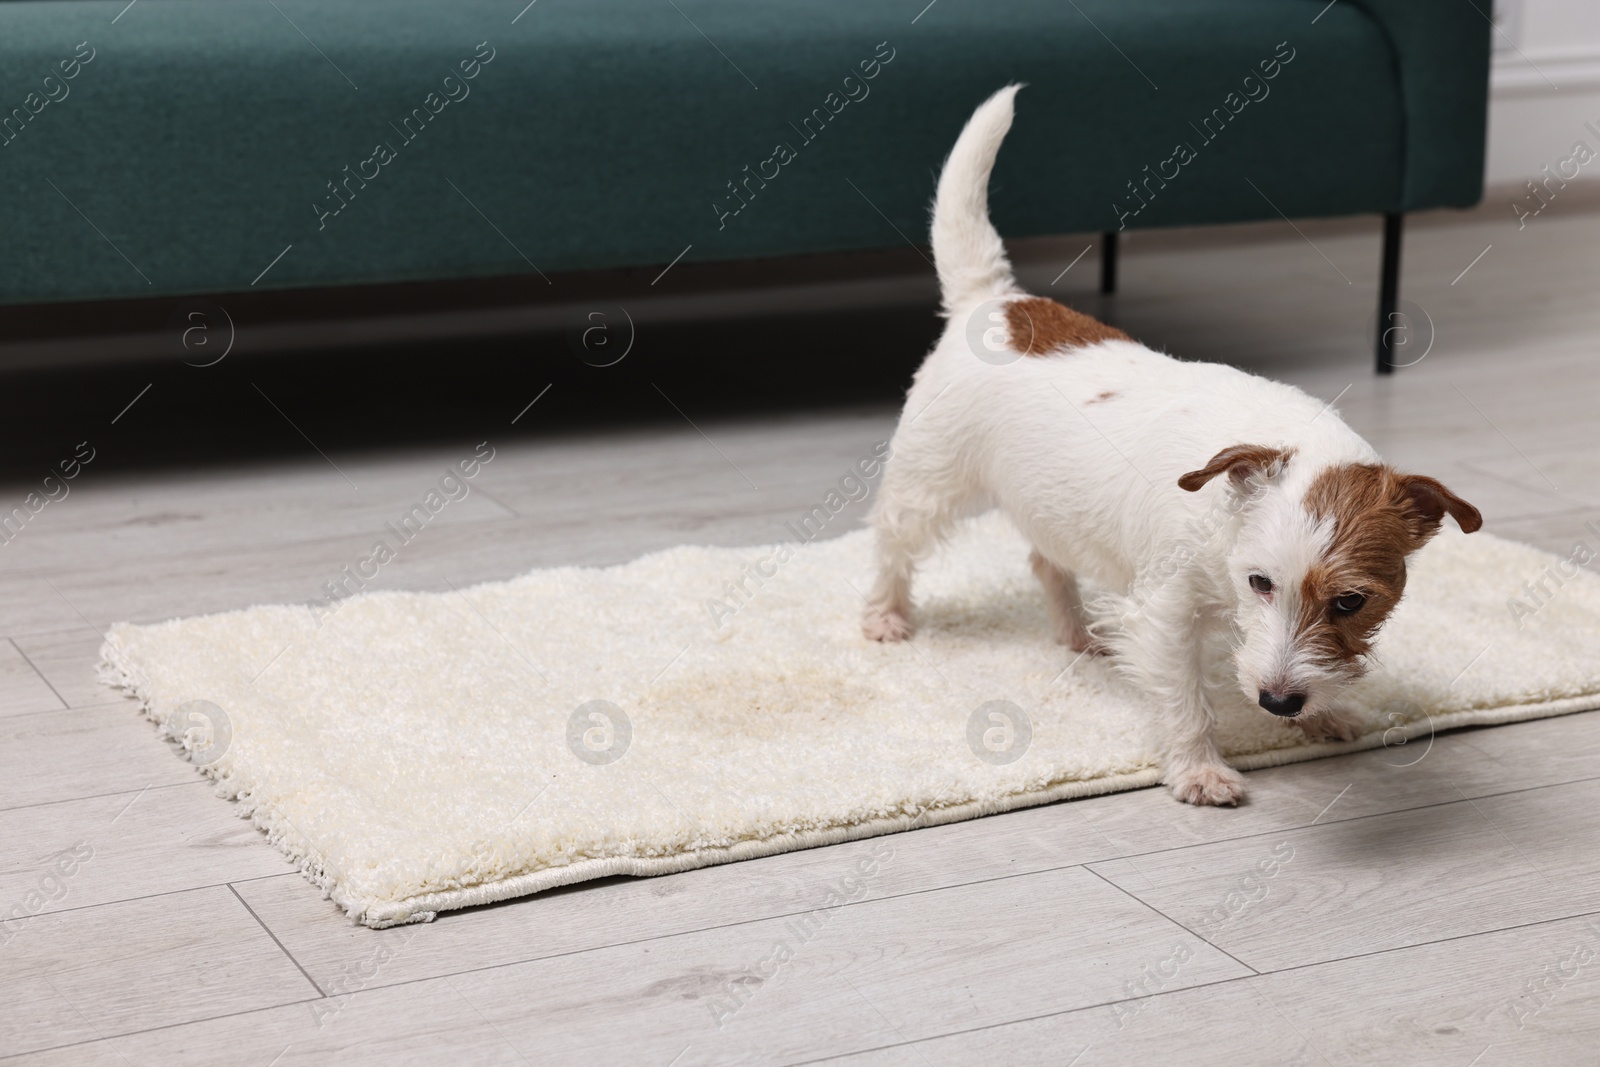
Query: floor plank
77,976
23,690
1364,885
424,1024
1496,998
1421,772
145,842
600,515
92,752
67,659
906,967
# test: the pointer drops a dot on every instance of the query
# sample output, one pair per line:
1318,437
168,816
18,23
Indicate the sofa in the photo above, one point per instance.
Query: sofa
182,147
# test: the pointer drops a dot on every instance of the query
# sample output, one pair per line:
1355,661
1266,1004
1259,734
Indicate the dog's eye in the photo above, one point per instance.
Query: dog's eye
1261,583
1349,604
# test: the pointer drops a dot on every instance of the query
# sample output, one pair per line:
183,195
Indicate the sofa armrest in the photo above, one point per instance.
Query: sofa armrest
1441,53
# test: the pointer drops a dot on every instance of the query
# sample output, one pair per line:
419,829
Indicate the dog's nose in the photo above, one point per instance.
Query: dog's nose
1287,705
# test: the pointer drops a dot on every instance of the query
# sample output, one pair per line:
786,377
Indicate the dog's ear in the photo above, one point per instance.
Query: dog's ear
1430,501
1242,464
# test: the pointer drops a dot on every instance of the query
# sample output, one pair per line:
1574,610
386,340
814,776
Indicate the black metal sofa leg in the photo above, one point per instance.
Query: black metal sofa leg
1108,262
1389,292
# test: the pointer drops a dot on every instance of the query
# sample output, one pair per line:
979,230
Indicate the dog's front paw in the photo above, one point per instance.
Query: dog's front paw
1332,725
886,625
1211,784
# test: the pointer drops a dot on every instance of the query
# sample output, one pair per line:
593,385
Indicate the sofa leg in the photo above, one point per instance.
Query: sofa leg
1108,262
1389,291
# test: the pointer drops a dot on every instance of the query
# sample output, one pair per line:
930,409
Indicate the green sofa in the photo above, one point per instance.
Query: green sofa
178,147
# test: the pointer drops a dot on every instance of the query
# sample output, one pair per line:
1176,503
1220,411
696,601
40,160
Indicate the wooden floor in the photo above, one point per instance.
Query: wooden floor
1432,904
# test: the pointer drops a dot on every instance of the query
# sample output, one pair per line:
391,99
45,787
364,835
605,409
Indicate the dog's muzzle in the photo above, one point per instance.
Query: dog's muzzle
1287,704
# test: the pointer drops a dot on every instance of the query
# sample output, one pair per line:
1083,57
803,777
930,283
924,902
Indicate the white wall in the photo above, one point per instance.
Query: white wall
1544,87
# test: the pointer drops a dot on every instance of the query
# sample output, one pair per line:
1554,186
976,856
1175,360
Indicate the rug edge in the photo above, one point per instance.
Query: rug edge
279,830
425,907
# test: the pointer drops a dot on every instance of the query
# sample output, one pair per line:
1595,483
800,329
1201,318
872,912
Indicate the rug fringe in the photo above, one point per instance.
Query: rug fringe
280,831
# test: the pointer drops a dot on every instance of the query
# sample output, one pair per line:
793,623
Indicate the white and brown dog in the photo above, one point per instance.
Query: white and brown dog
1229,509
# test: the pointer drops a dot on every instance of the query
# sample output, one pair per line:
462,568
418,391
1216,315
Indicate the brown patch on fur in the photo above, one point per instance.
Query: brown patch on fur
1037,326
1242,462
1380,517
1102,397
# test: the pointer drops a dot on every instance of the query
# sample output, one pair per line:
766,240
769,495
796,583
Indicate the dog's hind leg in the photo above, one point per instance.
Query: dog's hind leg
924,492
1065,604
905,535
888,614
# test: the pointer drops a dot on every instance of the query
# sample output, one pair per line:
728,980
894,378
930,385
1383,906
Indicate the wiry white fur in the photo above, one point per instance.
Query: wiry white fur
1282,541
1092,483
967,250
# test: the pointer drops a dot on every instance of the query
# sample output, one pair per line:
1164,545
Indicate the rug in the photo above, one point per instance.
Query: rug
417,752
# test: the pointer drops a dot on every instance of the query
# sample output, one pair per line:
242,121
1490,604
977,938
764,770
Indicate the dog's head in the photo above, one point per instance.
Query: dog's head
1318,564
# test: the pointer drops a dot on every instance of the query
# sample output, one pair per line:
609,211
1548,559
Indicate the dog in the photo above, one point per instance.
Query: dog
1239,517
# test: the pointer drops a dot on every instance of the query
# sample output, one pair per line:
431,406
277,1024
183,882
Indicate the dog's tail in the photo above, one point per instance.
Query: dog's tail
967,251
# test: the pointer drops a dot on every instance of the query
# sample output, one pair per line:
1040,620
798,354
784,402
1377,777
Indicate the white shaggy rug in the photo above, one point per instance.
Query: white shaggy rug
426,751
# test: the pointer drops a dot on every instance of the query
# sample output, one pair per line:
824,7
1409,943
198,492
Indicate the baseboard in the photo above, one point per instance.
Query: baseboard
1538,104
1544,72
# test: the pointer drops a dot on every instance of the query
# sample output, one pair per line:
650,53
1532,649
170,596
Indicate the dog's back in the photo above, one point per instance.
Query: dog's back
1048,404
